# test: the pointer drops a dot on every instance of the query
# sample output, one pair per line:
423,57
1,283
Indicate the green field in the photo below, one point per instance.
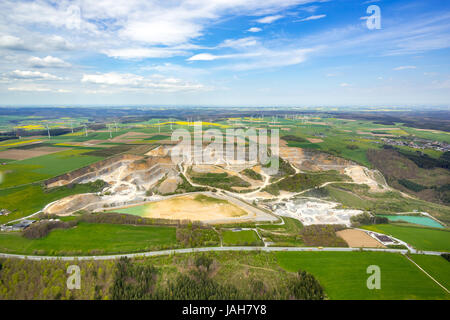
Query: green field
343,274
420,238
94,239
37,197
240,238
284,235
44,167
436,266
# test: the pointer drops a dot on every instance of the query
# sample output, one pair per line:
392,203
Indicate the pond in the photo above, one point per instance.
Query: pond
424,221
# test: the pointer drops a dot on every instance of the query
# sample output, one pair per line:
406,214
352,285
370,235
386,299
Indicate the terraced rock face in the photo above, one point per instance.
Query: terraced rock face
309,160
91,170
129,179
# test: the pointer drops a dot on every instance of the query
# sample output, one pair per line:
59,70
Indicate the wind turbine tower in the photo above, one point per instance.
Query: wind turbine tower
48,130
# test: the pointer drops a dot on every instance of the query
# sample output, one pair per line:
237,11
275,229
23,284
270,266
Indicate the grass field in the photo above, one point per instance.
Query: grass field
284,235
240,238
420,238
36,198
44,167
343,274
436,266
93,239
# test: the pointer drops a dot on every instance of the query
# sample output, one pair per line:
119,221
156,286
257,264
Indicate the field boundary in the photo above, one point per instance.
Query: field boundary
421,269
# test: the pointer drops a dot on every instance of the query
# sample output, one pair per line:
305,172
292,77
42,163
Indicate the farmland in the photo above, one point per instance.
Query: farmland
92,239
44,167
143,202
418,237
37,198
240,238
344,276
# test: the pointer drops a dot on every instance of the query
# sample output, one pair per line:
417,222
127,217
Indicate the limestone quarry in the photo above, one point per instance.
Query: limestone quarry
314,211
138,179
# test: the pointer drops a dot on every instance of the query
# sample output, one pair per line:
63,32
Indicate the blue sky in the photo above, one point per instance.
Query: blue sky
224,52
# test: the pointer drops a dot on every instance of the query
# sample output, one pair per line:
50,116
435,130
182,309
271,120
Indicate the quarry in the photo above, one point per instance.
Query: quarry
314,211
153,185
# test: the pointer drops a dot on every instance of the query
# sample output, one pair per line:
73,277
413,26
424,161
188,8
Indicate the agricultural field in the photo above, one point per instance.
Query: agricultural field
230,205
436,266
43,167
93,239
344,276
420,238
37,197
240,238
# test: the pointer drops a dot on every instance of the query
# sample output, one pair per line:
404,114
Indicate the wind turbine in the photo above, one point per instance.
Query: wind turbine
48,130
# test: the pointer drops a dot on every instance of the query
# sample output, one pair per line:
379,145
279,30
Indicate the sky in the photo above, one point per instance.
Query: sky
225,52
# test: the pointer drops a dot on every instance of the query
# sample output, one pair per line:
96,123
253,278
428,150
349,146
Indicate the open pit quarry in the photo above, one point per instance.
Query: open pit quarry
314,211
128,178
133,180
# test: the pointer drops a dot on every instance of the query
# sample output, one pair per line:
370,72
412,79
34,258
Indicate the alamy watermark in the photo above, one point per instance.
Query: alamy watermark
374,280
373,21
235,147
74,280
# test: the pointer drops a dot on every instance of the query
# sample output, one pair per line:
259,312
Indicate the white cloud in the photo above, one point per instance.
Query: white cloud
270,19
266,58
30,89
254,29
211,57
404,68
48,62
32,75
132,82
140,53
36,88
11,42
316,17
203,57
345,84
239,43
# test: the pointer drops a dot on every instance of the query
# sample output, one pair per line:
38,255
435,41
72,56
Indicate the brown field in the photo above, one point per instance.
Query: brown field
314,140
126,137
384,129
359,239
17,154
318,123
376,134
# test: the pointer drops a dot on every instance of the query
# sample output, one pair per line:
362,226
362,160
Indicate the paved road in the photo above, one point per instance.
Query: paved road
192,250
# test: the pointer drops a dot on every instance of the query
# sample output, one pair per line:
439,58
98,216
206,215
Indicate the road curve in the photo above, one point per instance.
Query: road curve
206,249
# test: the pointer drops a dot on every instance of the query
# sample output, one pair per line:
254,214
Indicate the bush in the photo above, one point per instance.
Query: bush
323,235
306,287
252,174
367,219
411,185
41,229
